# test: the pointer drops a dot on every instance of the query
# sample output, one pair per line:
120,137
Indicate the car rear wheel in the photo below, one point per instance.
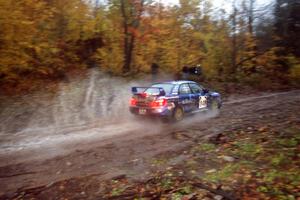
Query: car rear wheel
178,114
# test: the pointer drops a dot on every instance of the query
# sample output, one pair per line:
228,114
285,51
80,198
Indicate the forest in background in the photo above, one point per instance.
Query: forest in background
251,44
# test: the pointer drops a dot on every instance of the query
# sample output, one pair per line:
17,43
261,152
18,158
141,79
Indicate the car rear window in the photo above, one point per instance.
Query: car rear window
166,86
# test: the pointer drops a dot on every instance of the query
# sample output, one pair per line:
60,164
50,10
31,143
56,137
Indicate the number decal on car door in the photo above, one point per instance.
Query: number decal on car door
202,102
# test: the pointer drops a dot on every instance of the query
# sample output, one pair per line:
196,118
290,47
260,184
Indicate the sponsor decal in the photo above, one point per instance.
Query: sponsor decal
202,101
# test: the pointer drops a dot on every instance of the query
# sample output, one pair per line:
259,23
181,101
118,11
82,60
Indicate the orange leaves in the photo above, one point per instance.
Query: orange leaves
134,31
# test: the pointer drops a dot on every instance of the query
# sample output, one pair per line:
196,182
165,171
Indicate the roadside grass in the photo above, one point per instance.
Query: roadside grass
159,161
208,147
266,164
256,163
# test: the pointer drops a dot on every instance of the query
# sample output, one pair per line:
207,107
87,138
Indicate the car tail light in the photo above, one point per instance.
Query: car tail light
158,103
133,101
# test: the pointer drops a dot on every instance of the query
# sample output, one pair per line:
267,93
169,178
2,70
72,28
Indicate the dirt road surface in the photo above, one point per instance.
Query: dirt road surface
129,148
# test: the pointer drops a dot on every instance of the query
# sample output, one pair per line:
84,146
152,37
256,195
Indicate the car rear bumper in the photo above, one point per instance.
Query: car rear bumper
158,112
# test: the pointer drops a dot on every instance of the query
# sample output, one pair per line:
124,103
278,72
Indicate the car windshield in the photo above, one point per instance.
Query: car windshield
154,91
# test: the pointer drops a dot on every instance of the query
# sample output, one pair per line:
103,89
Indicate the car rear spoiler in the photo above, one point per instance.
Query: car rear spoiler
140,90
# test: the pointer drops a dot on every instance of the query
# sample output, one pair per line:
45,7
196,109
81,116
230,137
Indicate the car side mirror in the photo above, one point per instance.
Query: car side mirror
205,91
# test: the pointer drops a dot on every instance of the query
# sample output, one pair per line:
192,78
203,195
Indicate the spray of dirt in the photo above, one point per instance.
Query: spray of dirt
95,108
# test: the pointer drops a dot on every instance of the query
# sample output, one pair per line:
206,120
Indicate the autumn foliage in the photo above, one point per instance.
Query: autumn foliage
45,39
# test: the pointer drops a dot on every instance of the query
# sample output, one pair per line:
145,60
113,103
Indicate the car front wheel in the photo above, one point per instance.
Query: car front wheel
214,106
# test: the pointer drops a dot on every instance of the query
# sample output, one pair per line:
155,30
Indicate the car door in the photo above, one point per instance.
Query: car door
199,96
185,97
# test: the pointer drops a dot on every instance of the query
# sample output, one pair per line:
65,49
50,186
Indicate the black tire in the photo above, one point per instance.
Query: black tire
178,114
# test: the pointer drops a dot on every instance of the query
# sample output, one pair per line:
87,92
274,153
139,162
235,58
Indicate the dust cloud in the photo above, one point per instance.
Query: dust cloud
90,109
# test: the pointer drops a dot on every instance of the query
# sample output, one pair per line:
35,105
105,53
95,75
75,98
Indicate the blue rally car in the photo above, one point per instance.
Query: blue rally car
172,100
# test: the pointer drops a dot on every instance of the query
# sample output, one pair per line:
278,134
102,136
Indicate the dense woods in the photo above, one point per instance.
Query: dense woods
66,69
251,43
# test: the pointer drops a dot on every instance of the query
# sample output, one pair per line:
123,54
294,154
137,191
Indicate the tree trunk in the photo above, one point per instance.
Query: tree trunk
253,47
250,18
129,37
234,45
126,66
